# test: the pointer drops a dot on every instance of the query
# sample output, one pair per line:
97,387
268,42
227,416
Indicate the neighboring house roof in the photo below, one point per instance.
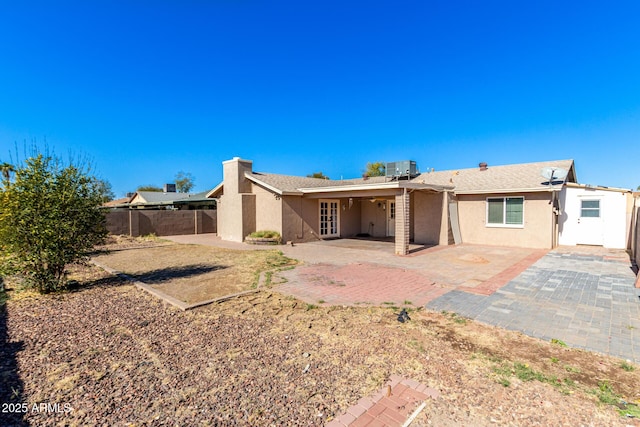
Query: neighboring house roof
142,197
524,177
116,203
157,198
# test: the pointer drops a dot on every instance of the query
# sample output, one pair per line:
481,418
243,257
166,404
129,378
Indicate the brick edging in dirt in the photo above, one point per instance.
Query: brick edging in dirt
168,298
398,403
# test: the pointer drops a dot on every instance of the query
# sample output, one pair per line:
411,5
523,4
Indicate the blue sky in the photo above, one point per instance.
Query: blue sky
149,88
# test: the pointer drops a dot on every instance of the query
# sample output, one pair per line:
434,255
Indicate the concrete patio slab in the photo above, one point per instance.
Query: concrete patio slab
352,272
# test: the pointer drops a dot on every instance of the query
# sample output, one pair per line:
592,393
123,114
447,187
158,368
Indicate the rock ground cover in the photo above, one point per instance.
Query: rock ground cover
118,356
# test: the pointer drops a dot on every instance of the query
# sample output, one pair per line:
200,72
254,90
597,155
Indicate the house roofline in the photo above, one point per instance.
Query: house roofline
214,191
598,187
377,186
556,187
252,178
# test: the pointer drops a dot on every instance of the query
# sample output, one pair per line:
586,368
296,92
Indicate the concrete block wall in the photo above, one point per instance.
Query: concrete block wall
161,222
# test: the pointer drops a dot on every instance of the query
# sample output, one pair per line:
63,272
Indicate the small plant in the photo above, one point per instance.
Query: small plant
407,302
321,301
558,342
554,360
503,381
572,369
627,366
310,307
606,394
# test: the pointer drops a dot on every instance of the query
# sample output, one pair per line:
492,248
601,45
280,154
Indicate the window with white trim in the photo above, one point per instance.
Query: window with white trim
590,209
505,211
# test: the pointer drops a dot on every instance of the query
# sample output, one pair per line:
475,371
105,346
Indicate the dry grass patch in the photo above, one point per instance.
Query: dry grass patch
193,273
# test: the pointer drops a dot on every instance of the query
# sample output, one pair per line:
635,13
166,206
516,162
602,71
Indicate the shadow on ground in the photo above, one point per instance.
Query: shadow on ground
11,386
163,275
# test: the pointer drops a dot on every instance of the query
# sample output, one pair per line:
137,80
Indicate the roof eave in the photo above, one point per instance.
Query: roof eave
556,187
217,188
269,187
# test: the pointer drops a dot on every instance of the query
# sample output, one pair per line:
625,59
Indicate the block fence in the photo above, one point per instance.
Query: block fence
161,222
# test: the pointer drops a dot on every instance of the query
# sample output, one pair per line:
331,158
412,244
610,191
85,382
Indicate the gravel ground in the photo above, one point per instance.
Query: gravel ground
110,354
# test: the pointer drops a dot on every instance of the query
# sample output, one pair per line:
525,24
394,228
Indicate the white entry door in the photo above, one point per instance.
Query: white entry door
391,218
590,224
329,218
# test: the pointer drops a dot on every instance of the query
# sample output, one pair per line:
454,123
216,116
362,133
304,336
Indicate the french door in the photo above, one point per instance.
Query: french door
329,218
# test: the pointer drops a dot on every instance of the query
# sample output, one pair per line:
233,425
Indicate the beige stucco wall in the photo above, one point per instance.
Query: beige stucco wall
236,216
538,222
299,216
268,209
373,218
427,217
349,218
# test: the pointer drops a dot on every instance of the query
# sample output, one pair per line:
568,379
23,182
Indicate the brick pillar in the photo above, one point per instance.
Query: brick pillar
403,222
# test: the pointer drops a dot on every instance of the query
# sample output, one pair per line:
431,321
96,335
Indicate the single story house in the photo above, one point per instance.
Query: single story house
510,205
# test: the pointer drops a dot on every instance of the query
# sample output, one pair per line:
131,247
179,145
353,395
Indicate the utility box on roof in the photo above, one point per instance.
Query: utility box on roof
402,169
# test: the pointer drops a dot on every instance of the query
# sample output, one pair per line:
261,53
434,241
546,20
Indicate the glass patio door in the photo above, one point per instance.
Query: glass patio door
329,218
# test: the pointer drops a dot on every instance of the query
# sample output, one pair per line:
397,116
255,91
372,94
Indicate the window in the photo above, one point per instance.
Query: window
590,209
505,211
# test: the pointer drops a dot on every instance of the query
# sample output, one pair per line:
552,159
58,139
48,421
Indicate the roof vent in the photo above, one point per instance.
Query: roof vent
169,188
483,166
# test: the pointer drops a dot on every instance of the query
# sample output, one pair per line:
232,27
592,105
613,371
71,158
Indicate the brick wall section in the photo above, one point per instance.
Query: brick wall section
403,223
161,223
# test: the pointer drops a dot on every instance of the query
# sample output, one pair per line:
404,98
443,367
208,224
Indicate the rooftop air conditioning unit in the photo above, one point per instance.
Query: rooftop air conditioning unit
403,169
169,188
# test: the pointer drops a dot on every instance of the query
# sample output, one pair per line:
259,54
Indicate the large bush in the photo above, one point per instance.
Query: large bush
49,218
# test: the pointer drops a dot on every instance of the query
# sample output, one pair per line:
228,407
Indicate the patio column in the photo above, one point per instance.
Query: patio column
402,223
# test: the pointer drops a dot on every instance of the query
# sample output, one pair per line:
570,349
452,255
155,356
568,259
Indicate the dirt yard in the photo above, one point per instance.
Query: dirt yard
190,273
110,354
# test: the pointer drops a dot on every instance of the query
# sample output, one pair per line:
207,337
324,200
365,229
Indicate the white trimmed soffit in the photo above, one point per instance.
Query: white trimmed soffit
557,187
379,186
268,186
214,191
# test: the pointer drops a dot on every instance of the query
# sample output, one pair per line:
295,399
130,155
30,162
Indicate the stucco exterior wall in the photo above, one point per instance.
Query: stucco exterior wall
268,210
427,217
349,218
536,232
373,217
299,219
236,216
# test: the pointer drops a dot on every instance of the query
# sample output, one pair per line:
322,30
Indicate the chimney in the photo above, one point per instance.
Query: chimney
483,166
233,175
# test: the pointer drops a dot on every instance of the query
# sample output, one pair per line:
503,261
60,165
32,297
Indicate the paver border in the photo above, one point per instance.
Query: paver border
382,406
172,300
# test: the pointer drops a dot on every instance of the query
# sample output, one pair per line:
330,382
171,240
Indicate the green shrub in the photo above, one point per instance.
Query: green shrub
265,234
49,218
